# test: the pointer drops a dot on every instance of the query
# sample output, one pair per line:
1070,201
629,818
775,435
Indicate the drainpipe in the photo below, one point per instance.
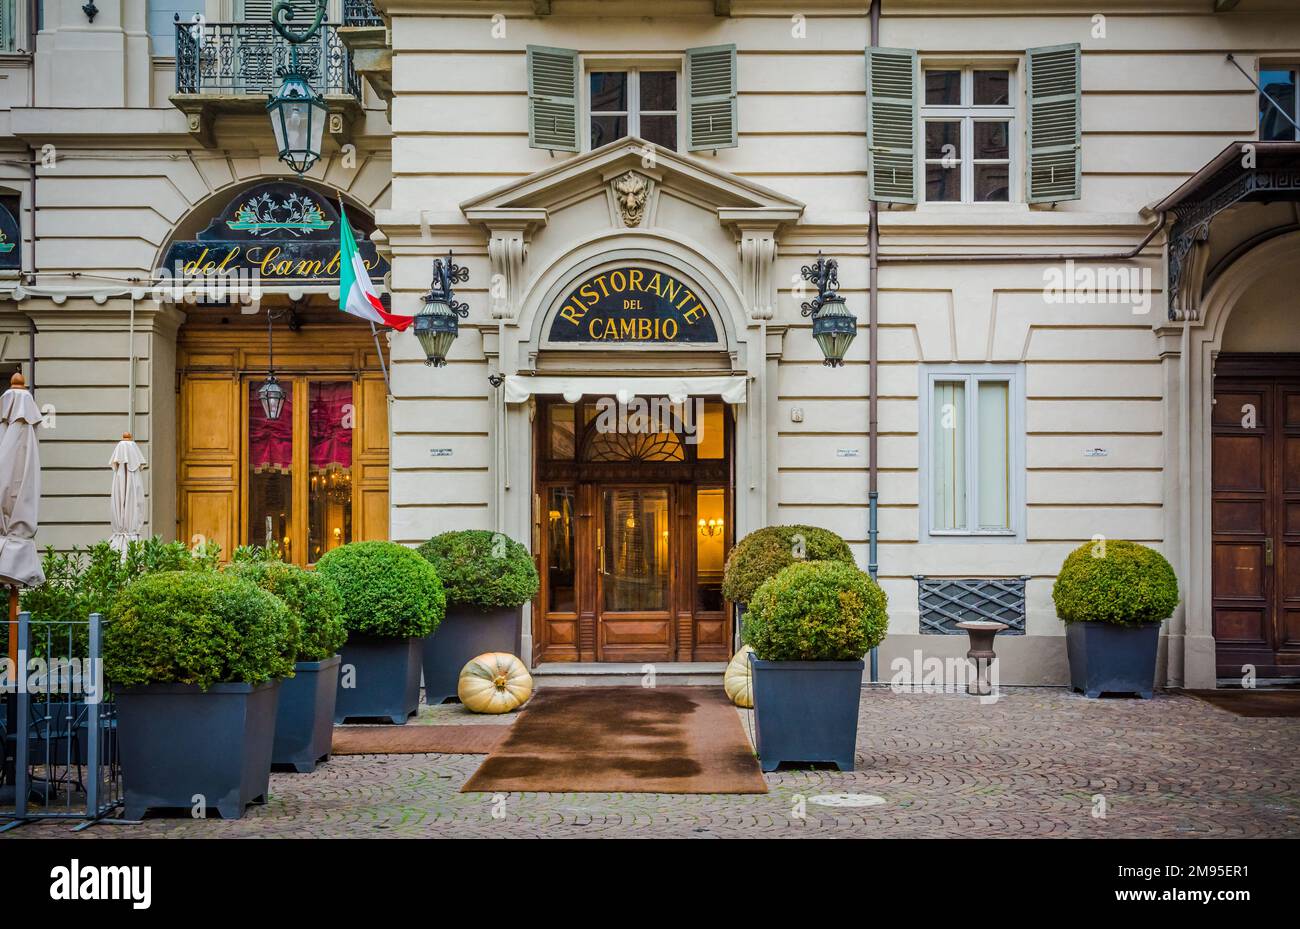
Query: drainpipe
873,329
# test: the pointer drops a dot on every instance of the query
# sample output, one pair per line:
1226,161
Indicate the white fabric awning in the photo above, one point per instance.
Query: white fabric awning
730,387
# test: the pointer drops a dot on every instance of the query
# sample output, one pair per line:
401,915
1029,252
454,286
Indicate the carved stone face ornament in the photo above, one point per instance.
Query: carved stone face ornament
630,192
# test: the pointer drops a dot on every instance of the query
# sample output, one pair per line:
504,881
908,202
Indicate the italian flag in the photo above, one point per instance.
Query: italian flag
356,294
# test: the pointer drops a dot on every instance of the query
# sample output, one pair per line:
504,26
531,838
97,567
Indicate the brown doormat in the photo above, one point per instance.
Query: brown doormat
416,740
1277,703
672,740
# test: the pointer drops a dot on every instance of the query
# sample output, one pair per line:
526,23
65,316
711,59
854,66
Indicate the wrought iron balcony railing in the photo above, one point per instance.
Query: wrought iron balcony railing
246,58
360,13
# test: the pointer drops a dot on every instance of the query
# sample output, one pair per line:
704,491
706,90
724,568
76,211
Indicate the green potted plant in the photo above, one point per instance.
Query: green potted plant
392,599
764,552
195,660
487,578
1112,596
304,725
809,627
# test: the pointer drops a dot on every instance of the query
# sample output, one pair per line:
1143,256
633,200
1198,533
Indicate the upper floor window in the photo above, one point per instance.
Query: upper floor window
640,102
967,115
1280,84
682,103
952,133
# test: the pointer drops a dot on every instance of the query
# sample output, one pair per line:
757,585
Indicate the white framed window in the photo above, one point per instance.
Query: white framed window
1279,82
642,101
968,117
972,451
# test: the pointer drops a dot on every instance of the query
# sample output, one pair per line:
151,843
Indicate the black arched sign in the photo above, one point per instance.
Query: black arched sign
279,230
11,237
633,305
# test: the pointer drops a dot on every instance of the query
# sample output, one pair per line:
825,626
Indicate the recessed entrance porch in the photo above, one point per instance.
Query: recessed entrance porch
633,522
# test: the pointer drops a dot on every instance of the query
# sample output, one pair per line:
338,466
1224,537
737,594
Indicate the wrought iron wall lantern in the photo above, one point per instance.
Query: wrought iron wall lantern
438,324
271,395
297,112
834,327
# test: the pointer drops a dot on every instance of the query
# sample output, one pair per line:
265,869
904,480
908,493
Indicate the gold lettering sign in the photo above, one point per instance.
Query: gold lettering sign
633,304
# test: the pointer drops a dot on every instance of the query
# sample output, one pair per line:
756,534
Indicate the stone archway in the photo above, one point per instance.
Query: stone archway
1235,316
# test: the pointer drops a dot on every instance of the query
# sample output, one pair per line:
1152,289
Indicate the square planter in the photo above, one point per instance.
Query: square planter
1105,658
304,725
385,675
806,711
178,741
465,633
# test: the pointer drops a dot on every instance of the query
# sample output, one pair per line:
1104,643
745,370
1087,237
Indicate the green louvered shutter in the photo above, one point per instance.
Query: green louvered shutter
893,80
553,98
1055,133
711,97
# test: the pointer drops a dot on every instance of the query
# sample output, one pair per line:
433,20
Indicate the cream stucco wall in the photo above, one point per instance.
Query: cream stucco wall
1158,102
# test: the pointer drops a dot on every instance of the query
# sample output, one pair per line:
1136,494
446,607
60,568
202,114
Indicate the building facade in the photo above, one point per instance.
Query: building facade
1067,233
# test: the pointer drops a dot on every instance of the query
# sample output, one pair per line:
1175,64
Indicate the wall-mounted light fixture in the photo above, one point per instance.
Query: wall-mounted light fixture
710,527
438,324
834,327
297,112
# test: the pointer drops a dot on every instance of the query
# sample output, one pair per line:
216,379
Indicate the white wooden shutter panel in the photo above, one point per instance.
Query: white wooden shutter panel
1054,125
893,80
553,98
711,98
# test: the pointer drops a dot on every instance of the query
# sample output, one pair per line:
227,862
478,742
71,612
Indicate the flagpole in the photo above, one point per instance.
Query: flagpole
383,366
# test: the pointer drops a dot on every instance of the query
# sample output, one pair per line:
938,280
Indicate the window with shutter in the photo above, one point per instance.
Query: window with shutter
162,22
711,98
1054,124
892,79
553,98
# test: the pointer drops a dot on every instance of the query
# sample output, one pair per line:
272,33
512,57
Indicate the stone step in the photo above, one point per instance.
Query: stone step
629,674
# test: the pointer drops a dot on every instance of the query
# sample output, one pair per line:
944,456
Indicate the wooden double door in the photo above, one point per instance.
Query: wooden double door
312,479
631,537
1256,515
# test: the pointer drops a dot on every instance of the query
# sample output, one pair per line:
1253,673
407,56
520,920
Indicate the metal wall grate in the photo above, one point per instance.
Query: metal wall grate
946,601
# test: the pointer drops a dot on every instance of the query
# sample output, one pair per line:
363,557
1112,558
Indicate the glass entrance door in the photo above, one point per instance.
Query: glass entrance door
634,548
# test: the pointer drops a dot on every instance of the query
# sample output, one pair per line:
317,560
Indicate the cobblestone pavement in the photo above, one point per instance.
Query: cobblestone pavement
1035,763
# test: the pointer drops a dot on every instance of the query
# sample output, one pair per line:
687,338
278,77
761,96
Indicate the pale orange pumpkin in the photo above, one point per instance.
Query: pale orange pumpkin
736,680
496,682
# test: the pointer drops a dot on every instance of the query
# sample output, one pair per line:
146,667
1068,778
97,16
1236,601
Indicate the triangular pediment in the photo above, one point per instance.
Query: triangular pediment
687,176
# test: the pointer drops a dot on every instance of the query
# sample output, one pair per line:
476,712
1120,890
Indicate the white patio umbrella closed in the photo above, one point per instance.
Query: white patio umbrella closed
127,515
20,486
20,496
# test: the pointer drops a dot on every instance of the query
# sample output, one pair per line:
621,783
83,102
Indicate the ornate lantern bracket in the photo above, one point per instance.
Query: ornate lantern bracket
438,324
834,327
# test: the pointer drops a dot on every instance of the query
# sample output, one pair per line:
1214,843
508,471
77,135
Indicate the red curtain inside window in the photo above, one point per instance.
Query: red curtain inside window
270,441
331,425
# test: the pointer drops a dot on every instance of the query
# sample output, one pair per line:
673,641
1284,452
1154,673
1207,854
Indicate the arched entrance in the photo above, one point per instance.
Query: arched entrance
309,475
636,418
1242,447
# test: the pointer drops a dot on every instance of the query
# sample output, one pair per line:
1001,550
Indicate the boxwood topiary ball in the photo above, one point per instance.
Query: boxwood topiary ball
387,589
1118,582
816,611
309,595
197,627
482,569
764,552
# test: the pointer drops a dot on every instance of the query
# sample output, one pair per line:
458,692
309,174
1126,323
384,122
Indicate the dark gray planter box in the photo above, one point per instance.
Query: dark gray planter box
1105,658
386,678
806,711
304,725
178,741
465,633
